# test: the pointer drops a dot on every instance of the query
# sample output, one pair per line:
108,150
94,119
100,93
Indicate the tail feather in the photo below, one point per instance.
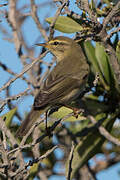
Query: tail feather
28,122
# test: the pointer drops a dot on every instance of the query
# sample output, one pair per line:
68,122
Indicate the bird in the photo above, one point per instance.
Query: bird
63,84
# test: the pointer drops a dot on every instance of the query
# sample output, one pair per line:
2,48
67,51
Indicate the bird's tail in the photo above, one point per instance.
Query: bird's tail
28,122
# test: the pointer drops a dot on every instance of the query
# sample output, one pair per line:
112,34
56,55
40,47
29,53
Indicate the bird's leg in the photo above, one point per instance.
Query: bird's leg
76,111
46,120
46,127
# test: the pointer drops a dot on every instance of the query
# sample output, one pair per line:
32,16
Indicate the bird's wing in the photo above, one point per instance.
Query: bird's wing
58,86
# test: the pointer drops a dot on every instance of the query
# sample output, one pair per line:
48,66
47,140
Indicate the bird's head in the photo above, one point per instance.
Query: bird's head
60,46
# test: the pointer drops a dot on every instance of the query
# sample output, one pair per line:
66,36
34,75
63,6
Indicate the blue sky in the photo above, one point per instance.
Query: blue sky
9,57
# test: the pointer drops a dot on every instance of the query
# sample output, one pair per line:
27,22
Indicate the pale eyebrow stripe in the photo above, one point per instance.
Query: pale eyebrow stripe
62,43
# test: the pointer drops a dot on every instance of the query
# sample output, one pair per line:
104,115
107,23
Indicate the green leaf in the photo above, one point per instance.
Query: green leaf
107,2
100,12
33,170
9,116
90,52
90,144
64,111
104,64
94,106
76,128
66,24
93,5
118,51
102,61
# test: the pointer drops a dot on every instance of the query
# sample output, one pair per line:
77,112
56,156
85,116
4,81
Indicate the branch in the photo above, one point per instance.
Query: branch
84,5
12,19
112,33
27,68
51,129
70,162
112,13
102,165
36,19
31,162
105,133
11,139
5,68
111,52
64,3
13,98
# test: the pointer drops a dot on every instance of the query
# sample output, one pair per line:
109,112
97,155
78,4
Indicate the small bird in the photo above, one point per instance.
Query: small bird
64,83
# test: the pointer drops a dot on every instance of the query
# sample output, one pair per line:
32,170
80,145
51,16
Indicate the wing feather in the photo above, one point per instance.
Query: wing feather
61,81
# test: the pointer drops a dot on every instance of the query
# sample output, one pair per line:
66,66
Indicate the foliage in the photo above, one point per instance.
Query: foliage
100,101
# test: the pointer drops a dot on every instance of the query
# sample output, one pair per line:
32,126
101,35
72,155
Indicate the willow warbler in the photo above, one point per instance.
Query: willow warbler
64,83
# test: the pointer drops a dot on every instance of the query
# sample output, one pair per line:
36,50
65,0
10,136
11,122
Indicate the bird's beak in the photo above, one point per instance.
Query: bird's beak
42,44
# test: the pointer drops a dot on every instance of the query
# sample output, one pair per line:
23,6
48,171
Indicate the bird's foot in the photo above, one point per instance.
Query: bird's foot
77,111
48,132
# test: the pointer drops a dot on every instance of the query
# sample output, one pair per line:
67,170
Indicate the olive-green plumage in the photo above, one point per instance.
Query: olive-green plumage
65,82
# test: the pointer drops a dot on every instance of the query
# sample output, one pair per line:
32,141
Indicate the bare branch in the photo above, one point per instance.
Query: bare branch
13,98
36,19
58,12
70,162
27,68
105,133
36,160
112,13
12,20
112,33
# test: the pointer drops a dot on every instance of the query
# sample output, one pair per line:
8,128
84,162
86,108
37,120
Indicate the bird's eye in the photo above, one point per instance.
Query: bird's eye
56,43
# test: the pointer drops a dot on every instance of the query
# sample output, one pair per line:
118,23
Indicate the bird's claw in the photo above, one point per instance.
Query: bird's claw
77,111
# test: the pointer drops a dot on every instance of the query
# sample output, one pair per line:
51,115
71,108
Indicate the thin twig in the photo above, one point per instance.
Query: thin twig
36,19
70,162
91,172
5,68
11,139
51,129
13,98
27,68
111,14
57,14
105,133
36,160
84,5
12,20
112,33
